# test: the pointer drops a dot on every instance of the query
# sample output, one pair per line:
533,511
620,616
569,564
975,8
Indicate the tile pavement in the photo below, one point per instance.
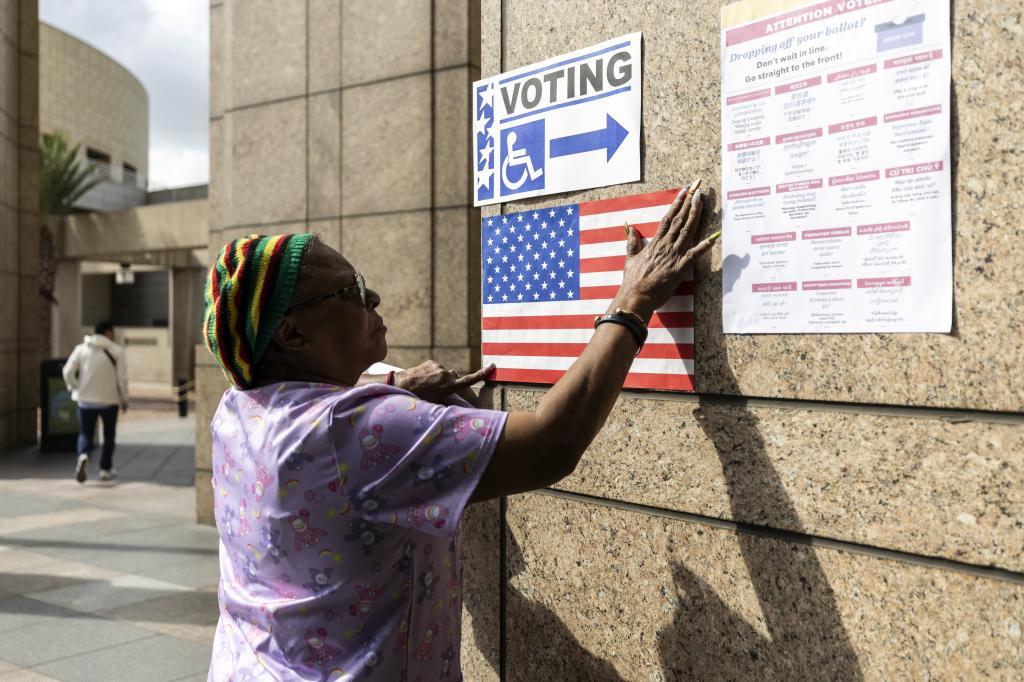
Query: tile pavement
107,581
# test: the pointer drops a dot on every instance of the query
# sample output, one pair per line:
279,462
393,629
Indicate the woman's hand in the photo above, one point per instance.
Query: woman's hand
653,272
433,383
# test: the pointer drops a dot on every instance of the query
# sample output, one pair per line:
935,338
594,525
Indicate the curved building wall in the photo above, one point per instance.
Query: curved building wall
100,105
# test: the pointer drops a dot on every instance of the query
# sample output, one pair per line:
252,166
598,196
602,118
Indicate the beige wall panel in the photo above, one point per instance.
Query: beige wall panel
386,148
8,173
148,354
28,319
920,485
268,164
452,152
8,313
382,42
28,88
324,45
490,37
212,383
452,263
329,231
8,241
9,366
8,126
481,587
596,592
454,358
975,367
473,285
8,397
156,227
230,234
9,21
28,179
27,423
268,50
453,39
73,293
325,155
218,195
393,253
407,356
9,78
29,26
204,497
28,245
220,64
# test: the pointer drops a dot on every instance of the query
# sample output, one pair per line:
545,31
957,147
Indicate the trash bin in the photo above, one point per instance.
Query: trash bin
59,430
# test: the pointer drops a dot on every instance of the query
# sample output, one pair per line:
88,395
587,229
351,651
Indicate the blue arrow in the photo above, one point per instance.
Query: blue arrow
610,137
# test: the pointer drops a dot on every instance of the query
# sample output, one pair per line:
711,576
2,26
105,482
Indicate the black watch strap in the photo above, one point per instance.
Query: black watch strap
639,332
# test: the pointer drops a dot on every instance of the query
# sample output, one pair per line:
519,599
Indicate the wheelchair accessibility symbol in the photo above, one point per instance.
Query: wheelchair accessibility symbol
522,158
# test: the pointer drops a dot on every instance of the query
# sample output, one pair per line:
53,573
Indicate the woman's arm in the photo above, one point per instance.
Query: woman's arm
432,382
540,448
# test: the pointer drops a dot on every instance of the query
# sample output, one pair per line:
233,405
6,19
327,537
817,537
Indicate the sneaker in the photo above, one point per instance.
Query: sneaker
108,474
82,468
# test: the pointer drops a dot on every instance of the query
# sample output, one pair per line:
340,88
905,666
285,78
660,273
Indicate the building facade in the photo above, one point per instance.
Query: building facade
824,507
157,308
125,255
19,222
101,106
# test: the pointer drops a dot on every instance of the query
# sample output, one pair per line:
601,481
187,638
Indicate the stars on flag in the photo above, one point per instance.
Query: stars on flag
554,253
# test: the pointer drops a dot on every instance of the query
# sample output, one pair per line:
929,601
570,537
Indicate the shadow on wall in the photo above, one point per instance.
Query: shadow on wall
706,640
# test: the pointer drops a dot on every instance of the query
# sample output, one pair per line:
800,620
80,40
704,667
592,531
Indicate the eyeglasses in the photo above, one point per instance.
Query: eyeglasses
360,284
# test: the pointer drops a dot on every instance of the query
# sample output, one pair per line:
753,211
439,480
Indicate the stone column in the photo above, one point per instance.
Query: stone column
66,329
19,224
186,316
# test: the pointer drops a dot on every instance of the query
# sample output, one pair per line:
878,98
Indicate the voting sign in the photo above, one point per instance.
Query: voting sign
567,123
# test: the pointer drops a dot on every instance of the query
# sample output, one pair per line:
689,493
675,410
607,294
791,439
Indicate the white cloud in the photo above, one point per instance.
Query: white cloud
165,43
177,167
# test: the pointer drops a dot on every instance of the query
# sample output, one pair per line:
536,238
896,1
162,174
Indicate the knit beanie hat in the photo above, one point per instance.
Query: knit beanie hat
247,292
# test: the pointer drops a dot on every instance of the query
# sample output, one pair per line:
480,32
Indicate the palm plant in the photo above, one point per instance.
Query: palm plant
63,180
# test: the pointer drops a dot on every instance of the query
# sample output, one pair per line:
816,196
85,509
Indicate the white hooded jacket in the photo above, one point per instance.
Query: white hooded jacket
92,377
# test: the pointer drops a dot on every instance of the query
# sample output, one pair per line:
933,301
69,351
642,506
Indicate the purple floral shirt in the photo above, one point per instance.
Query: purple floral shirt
339,516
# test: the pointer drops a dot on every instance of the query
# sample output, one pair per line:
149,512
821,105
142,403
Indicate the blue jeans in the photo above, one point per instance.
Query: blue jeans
87,417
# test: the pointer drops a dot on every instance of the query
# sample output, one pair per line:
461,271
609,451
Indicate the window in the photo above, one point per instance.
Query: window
100,162
129,175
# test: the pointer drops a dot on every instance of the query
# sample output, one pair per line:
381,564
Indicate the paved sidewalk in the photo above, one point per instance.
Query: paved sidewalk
107,581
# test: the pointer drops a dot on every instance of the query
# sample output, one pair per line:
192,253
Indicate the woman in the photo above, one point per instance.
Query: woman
338,504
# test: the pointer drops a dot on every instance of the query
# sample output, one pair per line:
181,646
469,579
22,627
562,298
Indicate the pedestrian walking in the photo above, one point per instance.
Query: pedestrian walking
97,378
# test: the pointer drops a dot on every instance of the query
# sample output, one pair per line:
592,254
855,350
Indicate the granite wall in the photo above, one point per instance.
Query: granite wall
19,222
351,119
826,507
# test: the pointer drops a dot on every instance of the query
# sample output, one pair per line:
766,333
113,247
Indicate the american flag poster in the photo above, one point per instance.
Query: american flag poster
548,272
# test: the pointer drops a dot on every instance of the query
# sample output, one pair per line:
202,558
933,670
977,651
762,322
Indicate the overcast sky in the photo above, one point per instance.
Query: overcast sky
165,43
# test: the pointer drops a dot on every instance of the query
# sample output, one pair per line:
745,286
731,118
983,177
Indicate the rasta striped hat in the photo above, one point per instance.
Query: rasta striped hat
249,288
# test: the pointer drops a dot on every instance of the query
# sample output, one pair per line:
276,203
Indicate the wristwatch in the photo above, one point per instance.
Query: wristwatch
628,319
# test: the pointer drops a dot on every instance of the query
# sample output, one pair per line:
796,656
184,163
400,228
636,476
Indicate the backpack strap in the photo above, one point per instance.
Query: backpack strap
116,382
